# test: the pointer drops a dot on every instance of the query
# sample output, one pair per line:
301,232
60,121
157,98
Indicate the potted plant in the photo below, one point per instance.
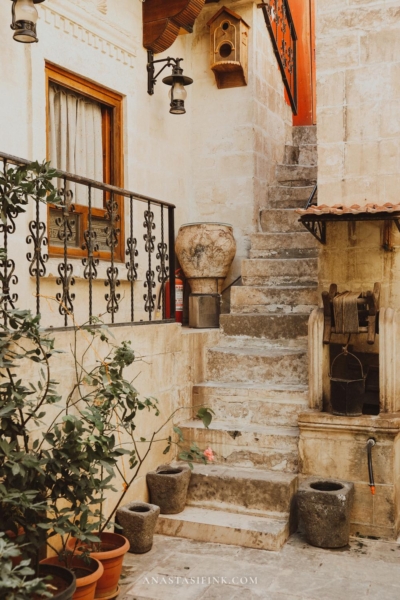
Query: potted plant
18,580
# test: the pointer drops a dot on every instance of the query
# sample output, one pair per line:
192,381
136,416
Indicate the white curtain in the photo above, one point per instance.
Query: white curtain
76,141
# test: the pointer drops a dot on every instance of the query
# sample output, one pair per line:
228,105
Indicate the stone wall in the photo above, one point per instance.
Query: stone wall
358,104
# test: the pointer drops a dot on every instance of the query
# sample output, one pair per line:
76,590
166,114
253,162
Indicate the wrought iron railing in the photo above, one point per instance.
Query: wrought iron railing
279,21
112,262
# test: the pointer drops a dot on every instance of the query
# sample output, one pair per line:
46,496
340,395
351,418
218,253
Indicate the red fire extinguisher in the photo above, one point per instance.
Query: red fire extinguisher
178,298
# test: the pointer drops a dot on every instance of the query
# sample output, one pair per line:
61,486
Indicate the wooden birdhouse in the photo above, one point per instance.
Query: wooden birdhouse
229,48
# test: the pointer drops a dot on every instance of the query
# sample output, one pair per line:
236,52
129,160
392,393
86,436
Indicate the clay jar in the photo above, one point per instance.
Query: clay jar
168,487
87,573
138,521
205,252
111,555
325,507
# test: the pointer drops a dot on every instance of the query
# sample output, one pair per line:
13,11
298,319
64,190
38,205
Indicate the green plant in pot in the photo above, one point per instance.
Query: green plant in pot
28,514
24,489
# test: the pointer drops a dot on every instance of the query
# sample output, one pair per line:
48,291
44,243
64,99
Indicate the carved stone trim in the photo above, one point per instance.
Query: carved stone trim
81,31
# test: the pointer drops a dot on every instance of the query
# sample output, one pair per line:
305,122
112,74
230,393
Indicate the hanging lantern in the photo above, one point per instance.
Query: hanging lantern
24,19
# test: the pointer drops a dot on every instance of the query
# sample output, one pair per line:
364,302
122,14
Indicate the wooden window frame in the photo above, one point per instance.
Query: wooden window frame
113,175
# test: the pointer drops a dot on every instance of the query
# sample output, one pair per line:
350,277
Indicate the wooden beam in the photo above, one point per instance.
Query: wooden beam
163,19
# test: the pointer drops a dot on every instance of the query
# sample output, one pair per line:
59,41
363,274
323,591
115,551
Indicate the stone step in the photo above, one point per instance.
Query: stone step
264,300
250,446
270,326
221,527
304,135
296,174
287,241
251,403
280,220
283,196
246,491
305,154
257,365
279,252
276,272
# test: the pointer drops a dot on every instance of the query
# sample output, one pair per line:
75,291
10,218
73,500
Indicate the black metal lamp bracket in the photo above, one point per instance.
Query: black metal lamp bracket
151,72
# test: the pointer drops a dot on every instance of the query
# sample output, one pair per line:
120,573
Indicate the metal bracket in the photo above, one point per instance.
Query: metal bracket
397,223
316,228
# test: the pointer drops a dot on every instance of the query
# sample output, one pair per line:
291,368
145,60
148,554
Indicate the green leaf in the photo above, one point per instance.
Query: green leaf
178,433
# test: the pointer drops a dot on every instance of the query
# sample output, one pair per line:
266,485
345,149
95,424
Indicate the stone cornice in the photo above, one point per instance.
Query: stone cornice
91,29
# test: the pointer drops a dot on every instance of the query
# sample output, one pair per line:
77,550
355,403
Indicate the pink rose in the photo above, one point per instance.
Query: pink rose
209,454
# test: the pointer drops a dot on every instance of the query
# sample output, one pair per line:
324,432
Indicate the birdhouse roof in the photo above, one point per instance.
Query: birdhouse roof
230,12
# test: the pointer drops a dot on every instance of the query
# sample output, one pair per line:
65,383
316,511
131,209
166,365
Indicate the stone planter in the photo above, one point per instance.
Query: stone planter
324,507
205,252
138,521
168,487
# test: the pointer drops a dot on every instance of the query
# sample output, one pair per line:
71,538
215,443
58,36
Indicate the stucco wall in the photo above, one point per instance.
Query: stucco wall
169,361
238,134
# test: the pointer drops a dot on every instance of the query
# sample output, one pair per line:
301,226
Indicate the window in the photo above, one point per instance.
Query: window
84,124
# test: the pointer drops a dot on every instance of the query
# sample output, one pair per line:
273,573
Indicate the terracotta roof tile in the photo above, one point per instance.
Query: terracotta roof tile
355,209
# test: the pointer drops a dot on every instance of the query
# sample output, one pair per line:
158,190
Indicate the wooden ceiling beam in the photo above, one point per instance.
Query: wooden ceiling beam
163,19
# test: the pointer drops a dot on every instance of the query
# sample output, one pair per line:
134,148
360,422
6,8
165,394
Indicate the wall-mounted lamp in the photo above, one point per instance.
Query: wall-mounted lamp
177,81
24,18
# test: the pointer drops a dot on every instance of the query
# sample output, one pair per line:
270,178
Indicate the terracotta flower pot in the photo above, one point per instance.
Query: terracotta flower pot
111,555
168,487
138,521
87,574
205,252
62,579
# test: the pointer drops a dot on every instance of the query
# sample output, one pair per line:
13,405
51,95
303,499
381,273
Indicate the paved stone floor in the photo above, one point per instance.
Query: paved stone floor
178,569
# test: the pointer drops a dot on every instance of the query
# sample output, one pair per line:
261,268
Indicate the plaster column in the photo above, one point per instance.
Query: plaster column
318,359
389,360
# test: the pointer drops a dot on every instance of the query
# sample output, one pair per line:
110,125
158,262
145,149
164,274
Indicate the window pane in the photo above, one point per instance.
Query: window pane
56,232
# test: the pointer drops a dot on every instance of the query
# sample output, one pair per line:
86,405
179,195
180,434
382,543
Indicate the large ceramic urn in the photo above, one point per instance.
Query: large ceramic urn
205,252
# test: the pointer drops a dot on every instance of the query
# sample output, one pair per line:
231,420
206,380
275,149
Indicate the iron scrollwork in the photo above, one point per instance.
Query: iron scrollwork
65,269
162,256
280,25
37,259
112,232
148,237
8,277
66,280
90,263
7,265
132,253
149,298
149,284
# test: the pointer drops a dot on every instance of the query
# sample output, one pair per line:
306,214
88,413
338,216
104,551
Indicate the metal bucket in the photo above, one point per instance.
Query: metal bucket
347,390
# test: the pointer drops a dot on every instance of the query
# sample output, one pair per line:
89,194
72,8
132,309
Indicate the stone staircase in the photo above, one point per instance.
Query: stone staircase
257,377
